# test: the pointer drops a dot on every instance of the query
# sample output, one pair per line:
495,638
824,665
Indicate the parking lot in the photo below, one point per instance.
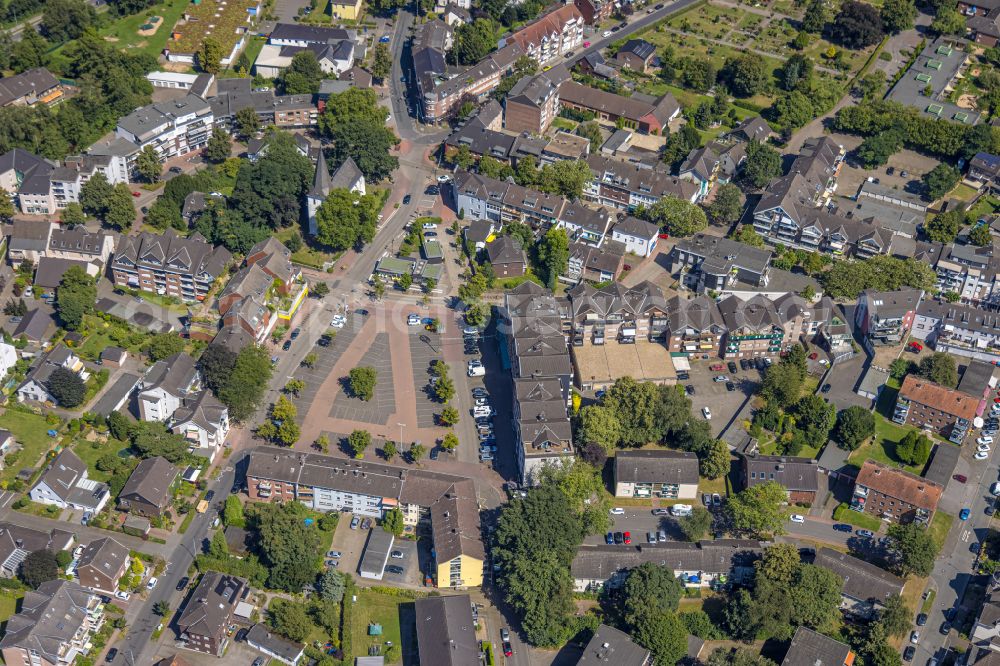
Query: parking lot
723,403
639,521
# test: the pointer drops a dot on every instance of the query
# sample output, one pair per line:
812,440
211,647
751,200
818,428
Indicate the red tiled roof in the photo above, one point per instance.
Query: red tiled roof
546,25
904,486
949,401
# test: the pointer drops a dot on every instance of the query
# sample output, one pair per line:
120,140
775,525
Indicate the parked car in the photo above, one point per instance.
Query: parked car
609,538
619,538
663,511
843,527
287,345
334,554
182,583
867,534
355,521
618,511
964,514
627,536
413,320
683,376
909,652
921,619
393,569
797,518
112,653
732,367
707,413
396,554
730,387
716,499
366,524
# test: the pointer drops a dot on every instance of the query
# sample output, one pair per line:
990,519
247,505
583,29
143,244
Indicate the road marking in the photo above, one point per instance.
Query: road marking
965,535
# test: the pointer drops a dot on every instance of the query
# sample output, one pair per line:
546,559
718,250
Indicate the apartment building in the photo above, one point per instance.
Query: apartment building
53,627
446,631
962,330
894,495
203,422
623,185
924,404
537,325
456,532
65,484
885,317
810,648
714,163
984,169
172,128
531,105
617,312
169,264
30,87
798,476
866,586
595,264
753,328
967,270
41,187
697,565
551,36
709,263
638,236
234,95
440,93
102,564
205,621
694,327
609,645
648,118
656,473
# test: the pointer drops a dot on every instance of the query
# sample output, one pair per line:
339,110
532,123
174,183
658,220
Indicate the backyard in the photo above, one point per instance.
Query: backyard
31,432
387,609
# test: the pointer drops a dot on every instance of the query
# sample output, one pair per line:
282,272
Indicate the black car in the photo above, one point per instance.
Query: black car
619,538
945,628
144,210
660,6
732,367
406,199
295,333
730,386
826,388
176,169
112,653
760,364
362,312
683,376
922,619
394,569
182,583
287,345
909,652
324,342
480,392
689,389
841,527
210,495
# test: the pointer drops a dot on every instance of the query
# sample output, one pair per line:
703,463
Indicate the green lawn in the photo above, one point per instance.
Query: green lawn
307,256
940,526
30,432
8,604
845,514
883,449
91,452
961,192
375,607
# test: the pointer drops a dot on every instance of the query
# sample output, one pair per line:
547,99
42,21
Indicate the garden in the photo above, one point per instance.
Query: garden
30,430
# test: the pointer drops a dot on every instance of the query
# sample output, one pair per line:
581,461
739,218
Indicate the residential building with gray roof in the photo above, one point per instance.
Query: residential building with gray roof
54,626
446,632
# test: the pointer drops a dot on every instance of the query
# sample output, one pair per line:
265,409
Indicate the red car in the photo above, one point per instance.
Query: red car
813,356
664,236
915,347
718,367
960,478
136,194
628,537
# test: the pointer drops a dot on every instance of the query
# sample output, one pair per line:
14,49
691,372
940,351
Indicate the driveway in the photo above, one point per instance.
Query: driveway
287,10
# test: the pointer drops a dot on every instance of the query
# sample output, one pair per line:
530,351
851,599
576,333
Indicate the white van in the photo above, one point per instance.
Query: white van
476,371
681,509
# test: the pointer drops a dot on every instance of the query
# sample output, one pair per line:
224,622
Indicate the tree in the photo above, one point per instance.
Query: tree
246,384
763,164
553,255
814,18
695,525
872,84
735,657
914,448
404,282
913,547
748,236
876,150
31,51
793,110
66,387
728,204
118,424
566,178
450,441
677,217
362,382
290,619
288,546
449,416
940,180
599,425
38,567
664,636
650,589
757,510
854,425
635,404
393,521
210,56
347,219
121,211
389,450
303,74
417,452
796,73
332,585
215,364
592,131
63,20
779,563
381,62
232,512
95,195
148,165
473,41
941,368
161,608
320,289
219,146
359,441
895,616
164,345
898,15
782,384
949,21
7,209
716,463
744,75
856,26
75,297
980,235
151,438
247,122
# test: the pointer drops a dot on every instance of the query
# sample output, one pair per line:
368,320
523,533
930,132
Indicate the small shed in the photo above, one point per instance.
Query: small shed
137,523
113,357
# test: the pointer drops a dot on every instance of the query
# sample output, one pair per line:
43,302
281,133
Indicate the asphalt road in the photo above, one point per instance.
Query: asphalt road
138,647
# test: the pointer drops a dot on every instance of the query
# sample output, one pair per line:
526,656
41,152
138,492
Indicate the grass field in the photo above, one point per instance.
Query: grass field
377,608
883,449
940,526
8,604
30,432
90,454
845,514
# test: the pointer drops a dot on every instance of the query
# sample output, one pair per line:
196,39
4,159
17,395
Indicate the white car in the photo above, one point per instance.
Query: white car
413,320
152,583
995,488
982,455
121,594
617,511
338,321
983,448
681,509
797,518
720,378
444,179
429,226
707,413
823,361
985,439
606,33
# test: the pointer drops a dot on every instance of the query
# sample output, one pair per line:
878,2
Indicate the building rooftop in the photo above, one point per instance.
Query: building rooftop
611,646
795,474
446,634
809,648
900,484
862,580
935,68
949,401
656,465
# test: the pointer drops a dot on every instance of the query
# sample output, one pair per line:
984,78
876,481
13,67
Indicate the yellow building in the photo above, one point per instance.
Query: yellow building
458,546
345,9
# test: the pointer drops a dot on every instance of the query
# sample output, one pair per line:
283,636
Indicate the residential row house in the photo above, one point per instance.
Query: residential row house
713,163
17,542
895,495
800,477
550,37
325,483
55,624
171,392
42,187
536,325
961,330
32,86
609,645
884,318
707,263
984,637
283,111
34,241
616,312
646,117
938,409
866,588
811,648
697,565
169,264
658,473
625,186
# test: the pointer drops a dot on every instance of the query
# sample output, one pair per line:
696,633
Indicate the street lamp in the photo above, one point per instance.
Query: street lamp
401,433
